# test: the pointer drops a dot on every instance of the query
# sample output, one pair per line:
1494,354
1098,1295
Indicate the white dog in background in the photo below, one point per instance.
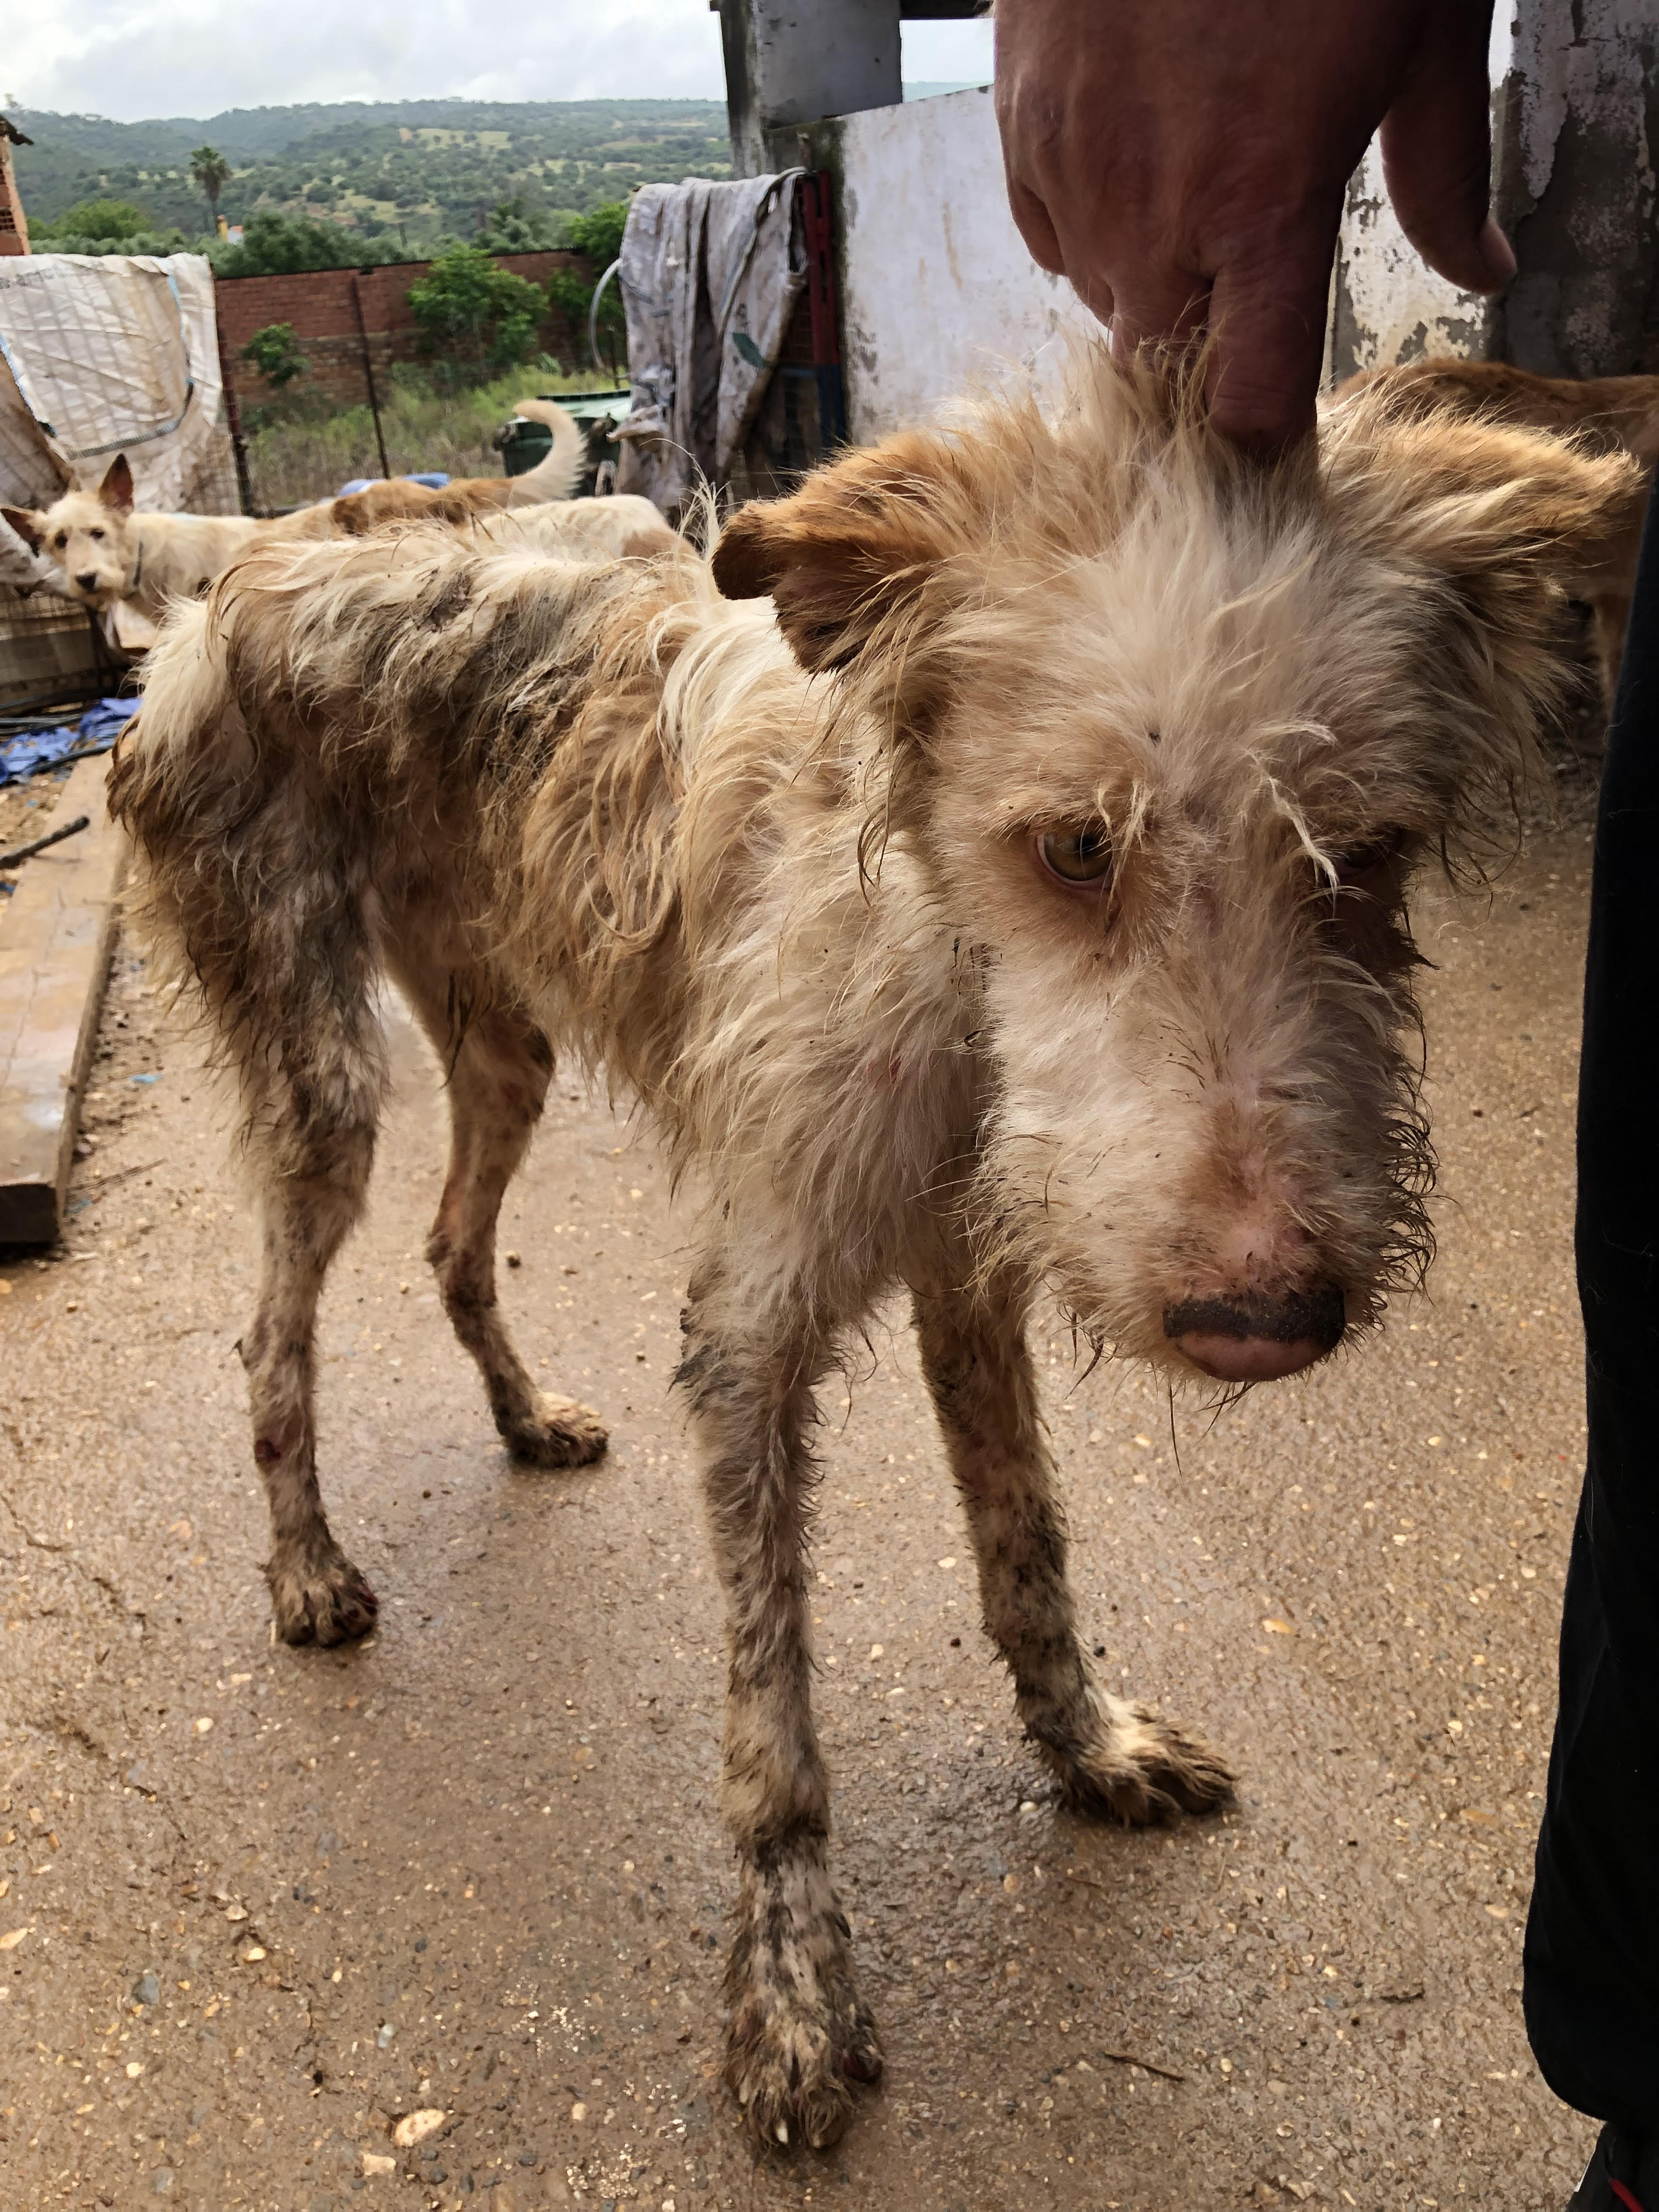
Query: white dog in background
96,549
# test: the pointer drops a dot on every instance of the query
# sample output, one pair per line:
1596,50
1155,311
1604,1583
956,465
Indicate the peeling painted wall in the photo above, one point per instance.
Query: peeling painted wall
1575,110
1387,305
938,292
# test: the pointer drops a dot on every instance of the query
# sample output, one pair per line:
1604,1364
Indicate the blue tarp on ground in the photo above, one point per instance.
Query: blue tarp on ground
95,732
433,479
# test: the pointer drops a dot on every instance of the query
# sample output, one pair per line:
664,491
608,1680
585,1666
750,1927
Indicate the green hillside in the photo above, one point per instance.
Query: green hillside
406,173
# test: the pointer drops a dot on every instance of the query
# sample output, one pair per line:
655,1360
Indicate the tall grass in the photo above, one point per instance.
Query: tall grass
300,448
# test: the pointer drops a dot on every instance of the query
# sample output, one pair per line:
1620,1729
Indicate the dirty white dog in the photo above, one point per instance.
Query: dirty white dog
999,891
110,556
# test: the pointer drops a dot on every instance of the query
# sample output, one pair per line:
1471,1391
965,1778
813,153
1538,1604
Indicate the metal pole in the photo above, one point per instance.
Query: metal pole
594,318
233,414
368,380
818,223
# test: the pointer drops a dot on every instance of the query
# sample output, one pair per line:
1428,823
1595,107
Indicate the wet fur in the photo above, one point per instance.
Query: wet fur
766,861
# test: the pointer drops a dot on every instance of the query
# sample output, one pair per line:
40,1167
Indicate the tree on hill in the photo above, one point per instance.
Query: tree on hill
287,246
509,229
211,171
99,219
564,158
477,319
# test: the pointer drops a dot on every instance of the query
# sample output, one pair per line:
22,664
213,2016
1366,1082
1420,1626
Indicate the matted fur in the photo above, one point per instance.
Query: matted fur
780,875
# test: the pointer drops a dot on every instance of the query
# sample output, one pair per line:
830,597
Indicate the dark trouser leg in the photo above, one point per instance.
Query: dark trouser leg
1592,1950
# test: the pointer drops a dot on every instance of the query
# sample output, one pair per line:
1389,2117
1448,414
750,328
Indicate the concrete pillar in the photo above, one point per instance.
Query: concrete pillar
14,225
789,61
1575,113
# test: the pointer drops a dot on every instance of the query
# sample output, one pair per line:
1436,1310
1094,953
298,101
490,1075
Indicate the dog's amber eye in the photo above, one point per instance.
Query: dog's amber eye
1079,858
61,540
95,533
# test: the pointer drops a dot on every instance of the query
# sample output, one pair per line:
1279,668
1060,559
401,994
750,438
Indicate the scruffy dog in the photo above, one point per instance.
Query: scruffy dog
111,555
401,499
999,891
1606,413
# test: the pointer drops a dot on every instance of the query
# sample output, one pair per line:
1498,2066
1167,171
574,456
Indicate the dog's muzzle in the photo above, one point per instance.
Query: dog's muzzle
1258,1339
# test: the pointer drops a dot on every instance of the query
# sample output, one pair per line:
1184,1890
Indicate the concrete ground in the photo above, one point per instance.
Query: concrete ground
257,1905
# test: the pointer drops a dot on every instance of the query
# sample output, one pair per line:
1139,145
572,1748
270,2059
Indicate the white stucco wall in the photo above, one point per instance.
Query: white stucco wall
939,294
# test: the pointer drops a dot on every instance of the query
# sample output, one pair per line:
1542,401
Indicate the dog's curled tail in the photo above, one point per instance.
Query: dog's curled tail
558,473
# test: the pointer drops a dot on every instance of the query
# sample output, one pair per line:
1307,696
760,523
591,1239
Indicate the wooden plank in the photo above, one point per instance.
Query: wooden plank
56,938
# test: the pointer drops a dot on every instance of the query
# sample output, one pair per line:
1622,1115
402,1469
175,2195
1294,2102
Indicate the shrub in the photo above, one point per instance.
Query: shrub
598,235
476,318
275,352
286,245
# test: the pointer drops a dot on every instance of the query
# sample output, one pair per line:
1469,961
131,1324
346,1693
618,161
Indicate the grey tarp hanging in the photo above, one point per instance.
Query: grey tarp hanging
709,274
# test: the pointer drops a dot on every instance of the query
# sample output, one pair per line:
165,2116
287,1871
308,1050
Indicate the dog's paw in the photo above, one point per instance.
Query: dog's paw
555,1432
1142,1769
318,1597
789,2063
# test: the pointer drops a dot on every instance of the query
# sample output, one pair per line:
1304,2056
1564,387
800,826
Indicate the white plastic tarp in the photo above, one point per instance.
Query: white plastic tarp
101,354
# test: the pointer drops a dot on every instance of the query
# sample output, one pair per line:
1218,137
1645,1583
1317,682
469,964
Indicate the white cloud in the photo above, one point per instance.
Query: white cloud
947,53
132,59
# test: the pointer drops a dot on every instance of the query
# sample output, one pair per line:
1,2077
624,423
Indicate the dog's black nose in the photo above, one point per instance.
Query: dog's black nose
88,579
1258,1337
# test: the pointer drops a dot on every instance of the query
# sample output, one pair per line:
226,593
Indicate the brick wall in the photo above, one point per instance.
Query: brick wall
318,304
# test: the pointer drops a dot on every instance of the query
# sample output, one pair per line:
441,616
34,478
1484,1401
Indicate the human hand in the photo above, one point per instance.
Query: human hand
1184,163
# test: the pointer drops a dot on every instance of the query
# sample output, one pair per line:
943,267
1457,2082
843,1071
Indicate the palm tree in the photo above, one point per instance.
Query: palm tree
211,170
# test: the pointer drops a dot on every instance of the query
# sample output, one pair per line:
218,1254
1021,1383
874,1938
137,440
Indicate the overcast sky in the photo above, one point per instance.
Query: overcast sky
131,58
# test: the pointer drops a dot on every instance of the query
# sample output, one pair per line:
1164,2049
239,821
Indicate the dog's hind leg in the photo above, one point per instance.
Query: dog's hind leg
799,2029
310,1147
1110,1757
499,1066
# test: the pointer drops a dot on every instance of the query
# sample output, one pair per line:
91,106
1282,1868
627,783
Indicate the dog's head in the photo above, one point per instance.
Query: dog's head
86,533
1167,734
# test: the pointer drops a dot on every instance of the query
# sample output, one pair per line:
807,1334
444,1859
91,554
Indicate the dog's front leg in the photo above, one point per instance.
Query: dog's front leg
1110,1757
799,2029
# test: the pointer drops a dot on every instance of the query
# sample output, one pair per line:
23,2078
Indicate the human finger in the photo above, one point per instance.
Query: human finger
1163,307
1031,220
1267,353
1436,142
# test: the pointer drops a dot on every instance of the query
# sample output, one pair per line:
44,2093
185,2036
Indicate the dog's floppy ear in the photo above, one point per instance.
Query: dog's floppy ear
116,490
861,542
1500,512
28,525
